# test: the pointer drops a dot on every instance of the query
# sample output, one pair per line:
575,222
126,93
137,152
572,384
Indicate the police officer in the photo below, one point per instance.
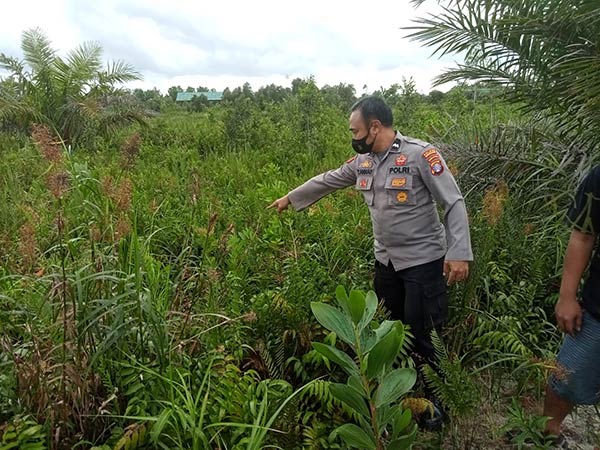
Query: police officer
401,180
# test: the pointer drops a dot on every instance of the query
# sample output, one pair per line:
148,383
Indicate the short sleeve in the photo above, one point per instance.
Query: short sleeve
584,214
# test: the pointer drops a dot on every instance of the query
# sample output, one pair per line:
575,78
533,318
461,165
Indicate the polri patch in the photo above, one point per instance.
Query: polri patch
397,170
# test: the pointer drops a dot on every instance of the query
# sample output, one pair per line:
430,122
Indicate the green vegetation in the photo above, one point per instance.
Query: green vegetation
149,300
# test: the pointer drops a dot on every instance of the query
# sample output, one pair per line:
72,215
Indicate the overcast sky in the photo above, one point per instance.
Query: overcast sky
225,43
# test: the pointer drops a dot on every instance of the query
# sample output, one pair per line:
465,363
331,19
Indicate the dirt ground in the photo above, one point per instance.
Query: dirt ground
484,431
582,429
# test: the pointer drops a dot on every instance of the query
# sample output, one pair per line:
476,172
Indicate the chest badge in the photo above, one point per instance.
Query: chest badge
401,160
367,164
401,197
398,182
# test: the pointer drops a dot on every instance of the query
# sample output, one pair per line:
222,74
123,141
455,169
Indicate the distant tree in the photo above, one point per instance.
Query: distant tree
435,97
72,95
271,94
199,103
239,92
150,99
173,91
297,84
341,96
202,89
190,89
247,90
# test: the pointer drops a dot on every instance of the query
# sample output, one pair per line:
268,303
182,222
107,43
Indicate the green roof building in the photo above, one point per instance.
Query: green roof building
212,96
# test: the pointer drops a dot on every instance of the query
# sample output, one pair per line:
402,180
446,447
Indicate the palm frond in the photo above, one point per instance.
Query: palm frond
74,95
12,65
119,72
13,109
85,60
547,52
37,50
119,110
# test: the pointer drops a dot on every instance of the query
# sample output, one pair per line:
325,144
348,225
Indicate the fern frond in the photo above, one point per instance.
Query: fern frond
451,383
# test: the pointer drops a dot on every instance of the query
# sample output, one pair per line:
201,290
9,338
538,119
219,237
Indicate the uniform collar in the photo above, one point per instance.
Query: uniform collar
394,148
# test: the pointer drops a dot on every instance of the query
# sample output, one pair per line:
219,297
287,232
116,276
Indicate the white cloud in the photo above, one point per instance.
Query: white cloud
226,43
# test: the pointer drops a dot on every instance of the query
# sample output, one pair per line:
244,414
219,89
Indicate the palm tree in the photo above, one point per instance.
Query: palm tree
547,52
545,55
74,96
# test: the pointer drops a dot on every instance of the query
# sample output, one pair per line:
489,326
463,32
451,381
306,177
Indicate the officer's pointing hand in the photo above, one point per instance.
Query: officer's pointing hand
281,204
456,271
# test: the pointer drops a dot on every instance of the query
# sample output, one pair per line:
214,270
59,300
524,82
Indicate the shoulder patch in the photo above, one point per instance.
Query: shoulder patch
434,160
351,159
430,154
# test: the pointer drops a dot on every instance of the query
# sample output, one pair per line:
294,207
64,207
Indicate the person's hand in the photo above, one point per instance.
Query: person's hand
568,314
281,204
456,271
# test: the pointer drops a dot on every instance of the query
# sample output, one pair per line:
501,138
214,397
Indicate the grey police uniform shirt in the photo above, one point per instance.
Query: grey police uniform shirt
401,190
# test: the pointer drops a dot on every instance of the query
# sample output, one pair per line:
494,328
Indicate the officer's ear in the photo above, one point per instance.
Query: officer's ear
376,124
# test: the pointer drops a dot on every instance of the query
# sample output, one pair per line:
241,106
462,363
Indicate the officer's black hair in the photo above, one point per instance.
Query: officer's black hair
374,108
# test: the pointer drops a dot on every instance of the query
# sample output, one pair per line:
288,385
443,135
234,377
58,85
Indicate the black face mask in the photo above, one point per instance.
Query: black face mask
361,146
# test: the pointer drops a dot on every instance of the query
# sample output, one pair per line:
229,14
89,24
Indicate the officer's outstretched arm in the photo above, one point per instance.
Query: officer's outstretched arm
321,185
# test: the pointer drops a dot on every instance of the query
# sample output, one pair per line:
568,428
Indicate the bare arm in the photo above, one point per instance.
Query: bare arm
578,254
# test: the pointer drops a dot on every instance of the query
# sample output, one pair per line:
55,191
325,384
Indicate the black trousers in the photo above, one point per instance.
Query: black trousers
418,296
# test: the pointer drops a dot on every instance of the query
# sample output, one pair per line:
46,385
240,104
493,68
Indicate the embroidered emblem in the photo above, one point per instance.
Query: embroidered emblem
436,168
398,182
401,160
401,197
430,154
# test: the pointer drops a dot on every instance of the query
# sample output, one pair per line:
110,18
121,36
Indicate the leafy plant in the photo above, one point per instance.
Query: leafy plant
22,433
526,430
374,388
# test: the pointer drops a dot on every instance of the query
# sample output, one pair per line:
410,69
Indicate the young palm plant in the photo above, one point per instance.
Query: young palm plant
72,95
